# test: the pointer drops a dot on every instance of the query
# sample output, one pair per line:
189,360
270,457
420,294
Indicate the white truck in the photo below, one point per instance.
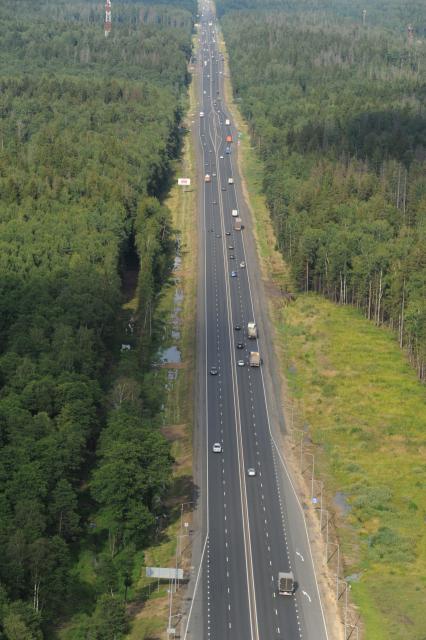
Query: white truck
254,359
227,121
230,180
207,178
285,583
252,331
234,213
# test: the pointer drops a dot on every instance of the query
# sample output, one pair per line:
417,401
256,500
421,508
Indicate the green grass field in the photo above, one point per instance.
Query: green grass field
366,415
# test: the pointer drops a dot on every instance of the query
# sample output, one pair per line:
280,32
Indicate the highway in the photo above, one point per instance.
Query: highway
253,525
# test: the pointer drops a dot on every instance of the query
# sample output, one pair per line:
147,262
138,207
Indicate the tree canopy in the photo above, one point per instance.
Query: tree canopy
89,129
336,109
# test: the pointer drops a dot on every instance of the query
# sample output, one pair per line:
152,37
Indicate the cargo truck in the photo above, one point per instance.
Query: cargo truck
252,330
254,359
228,122
228,138
285,583
238,224
234,213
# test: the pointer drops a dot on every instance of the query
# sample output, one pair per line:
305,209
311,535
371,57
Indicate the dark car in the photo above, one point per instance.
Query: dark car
232,257
214,371
237,327
240,345
227,233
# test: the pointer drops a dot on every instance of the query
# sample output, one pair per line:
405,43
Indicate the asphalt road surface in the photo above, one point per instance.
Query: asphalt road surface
254,526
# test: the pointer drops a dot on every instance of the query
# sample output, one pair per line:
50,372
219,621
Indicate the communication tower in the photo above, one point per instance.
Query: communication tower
107,24
410,33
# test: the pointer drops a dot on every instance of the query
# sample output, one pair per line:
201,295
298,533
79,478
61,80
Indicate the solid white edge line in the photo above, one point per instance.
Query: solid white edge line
206,389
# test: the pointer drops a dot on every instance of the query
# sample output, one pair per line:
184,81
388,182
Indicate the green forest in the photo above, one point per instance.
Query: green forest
89,129
335,103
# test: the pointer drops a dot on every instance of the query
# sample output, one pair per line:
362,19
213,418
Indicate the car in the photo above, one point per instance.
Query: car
214,202
221,157
228,150
223,188
240,345
201,114
237,327
227,233
241,363
233,274
217,447
230,180
231,247
214,371
242,264
232,257
251,472
214,175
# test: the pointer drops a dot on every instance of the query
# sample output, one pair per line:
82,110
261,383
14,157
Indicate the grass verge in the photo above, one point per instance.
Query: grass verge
365,413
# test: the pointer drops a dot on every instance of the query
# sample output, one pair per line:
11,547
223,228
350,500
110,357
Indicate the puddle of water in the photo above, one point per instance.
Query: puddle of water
177,263
178,297
340,499
171,355
354,577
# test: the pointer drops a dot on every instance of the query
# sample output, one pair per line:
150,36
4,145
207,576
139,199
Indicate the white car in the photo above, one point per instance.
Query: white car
217,447
230,180
221,157
228,122
243,265
201,114
251,472
241,363
234,213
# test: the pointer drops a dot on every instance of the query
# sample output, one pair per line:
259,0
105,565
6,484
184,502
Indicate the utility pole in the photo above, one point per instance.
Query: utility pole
107,23
410,33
